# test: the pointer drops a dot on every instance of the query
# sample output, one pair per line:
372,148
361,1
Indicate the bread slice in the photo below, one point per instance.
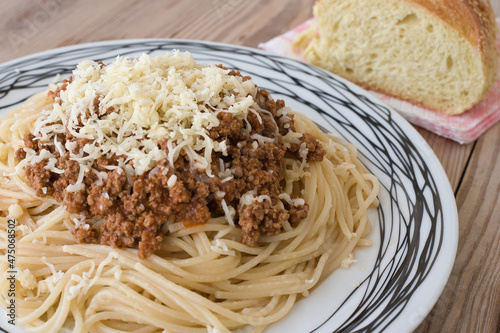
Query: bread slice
439,54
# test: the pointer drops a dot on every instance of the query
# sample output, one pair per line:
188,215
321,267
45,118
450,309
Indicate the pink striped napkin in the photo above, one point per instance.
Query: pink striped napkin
463,128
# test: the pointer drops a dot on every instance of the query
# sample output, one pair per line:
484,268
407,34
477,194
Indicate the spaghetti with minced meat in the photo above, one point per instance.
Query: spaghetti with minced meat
156,193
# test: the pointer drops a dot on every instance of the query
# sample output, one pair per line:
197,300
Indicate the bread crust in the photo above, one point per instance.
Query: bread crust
474,20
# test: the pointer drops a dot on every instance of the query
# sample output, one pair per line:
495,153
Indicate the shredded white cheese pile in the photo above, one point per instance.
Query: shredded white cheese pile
139,102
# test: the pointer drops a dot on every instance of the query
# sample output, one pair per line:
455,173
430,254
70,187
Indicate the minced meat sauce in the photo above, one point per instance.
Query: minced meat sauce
134,209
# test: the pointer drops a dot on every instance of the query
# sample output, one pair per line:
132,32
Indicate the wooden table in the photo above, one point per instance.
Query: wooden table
471,299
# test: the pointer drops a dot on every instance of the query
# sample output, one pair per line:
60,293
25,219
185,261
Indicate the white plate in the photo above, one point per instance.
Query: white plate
396,282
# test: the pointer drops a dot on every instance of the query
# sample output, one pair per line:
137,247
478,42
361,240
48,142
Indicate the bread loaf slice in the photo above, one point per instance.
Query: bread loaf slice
439,54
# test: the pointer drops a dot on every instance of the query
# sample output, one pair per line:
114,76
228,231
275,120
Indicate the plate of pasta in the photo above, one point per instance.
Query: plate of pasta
161,185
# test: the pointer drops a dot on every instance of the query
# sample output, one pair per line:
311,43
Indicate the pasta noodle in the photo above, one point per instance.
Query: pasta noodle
202,278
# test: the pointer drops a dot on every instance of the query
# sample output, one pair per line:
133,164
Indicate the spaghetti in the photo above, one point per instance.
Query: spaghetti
202,276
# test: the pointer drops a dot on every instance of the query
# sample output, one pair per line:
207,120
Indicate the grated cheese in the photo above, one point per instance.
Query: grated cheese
227,179
15,211
139,102
24,229
27,279
219,194
261,139
294,202
303,151
171,180
249,197
348,261
229,212
291,137
220,247
49,283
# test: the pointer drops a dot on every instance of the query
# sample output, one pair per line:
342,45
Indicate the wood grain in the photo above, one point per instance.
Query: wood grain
453,157
31,26
496,7
471,299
